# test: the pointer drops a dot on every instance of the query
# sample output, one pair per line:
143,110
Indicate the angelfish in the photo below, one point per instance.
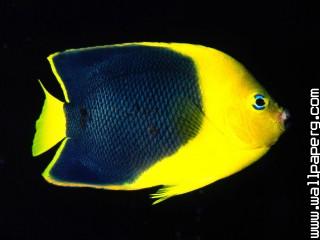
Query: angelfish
139,115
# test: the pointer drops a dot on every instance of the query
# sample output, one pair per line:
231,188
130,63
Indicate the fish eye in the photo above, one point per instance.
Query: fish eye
260,102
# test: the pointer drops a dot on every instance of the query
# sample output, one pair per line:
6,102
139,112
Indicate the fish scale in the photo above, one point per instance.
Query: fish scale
128,148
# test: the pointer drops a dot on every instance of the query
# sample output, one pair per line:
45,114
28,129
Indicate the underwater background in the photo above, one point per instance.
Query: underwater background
268,200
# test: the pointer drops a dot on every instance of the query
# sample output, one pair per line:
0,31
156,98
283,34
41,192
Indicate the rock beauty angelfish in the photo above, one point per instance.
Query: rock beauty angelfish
139,115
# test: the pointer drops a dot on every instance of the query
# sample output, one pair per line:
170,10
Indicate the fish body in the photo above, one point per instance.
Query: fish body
140,115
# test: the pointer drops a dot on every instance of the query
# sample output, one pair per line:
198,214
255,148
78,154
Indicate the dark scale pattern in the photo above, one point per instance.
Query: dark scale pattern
129,108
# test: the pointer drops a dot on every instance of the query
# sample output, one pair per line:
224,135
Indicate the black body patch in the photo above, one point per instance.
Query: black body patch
130,106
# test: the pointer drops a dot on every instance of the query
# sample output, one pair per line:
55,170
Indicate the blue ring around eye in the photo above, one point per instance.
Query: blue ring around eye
257,96
257,107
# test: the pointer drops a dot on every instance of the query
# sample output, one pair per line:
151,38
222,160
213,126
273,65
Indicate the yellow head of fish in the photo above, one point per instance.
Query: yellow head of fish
252,117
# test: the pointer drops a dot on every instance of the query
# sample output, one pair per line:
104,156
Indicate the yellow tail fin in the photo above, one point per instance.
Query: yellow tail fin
51,125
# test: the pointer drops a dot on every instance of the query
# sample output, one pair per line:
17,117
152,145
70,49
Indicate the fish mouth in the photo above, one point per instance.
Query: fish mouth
284,117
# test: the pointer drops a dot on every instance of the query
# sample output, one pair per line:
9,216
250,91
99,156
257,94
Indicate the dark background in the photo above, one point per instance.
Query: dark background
277,42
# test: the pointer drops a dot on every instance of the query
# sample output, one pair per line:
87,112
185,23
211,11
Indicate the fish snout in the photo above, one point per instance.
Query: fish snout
284,118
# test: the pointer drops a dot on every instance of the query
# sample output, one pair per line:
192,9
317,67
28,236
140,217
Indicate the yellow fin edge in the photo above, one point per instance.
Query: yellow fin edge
49,178
56,74
46,173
